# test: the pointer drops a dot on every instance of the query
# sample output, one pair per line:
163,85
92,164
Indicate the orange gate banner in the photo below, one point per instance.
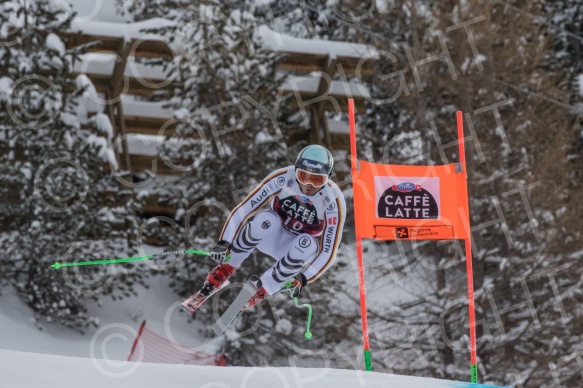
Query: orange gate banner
411,202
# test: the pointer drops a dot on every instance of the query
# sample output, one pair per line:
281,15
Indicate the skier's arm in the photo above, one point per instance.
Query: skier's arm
269,187
335,217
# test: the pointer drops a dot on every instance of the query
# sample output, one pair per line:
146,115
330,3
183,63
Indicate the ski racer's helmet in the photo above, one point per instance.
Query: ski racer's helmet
314,165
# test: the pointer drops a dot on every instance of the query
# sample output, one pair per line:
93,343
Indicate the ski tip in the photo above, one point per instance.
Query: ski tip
56,265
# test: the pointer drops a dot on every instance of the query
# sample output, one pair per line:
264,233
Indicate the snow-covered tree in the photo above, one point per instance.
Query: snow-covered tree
52,171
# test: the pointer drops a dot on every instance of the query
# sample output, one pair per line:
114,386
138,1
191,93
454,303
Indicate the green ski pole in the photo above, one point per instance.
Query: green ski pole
309,307
305,305
58,265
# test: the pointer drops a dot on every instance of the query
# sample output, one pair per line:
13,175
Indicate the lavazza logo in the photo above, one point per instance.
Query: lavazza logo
407,201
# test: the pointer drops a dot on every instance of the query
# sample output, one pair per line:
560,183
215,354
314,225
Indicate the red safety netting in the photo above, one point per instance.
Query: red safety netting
150,347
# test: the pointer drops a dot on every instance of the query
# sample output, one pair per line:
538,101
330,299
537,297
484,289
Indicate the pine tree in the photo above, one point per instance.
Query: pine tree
52,169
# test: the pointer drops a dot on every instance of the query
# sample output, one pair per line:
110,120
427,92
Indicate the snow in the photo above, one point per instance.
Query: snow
263,137
309,84
70,359
16,19
101,10
5,86
144,144
103,125
55,43
289,44
101,144
284,326
121,30
146,109
103,63
83,82
64,358
156,305
337,126
64,372
112,160
131,107
271,39
26,172
69,119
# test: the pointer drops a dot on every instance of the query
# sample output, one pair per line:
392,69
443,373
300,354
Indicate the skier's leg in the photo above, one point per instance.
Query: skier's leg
302,249
264,224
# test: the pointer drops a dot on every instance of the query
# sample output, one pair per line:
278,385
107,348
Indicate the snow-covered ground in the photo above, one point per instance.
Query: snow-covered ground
63,358
65,372
117,329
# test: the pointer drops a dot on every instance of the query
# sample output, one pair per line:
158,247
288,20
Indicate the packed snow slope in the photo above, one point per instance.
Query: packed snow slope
33,370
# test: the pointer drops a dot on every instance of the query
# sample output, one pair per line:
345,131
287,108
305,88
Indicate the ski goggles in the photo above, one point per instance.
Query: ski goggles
316,180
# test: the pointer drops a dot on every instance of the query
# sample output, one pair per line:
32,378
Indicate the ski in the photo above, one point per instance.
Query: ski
196,300
252,285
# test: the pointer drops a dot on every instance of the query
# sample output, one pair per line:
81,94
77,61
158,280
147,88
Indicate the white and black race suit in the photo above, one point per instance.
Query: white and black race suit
302,233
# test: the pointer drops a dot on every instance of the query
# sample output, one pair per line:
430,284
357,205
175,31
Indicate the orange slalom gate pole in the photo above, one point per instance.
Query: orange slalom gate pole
353,171
469,268
461,142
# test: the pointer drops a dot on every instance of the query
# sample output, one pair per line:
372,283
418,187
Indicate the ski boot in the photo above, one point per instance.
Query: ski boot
216,278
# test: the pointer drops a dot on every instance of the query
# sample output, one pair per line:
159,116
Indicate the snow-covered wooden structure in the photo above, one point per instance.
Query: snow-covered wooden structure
316,80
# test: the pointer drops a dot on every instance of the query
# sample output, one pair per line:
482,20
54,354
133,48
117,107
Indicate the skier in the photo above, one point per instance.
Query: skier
301,230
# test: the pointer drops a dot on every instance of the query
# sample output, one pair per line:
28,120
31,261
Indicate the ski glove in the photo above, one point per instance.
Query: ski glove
220,251
298,285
